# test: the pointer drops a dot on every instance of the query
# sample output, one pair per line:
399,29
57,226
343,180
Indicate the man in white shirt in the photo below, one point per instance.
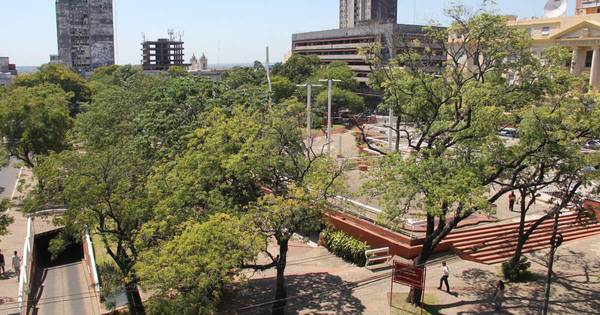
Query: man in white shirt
444,279
16,263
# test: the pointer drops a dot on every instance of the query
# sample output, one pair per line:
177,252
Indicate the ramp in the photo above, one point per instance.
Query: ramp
60,286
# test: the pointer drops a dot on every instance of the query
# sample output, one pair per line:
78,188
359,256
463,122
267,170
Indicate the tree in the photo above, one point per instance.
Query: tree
105,194
297,183
298,68
5,219
340,100
68,80
338,71
186,274
34,121
283,88
456,155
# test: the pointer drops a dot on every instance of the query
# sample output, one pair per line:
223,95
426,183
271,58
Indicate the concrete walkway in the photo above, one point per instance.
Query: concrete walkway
320,283
15,238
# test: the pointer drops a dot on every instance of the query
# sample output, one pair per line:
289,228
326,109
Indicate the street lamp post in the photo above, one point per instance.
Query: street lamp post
309,87
329,97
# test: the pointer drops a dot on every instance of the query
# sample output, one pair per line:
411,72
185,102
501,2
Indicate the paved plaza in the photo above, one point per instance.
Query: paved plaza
320,283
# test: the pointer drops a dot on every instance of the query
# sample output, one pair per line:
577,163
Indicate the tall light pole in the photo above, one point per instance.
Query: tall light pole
309,87
268,69
329,97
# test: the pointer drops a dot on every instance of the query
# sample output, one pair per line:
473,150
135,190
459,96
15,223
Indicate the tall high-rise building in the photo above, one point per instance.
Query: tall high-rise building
365,12
584,7
85,33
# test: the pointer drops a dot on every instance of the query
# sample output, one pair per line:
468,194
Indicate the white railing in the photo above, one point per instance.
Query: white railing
26,264
91,265
27,259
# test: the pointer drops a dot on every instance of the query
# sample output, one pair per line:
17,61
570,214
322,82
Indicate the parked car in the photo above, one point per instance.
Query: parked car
509,132
592,144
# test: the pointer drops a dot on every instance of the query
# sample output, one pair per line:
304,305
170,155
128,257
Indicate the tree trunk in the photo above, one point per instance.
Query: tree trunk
280,289
553,247
522,237
414,296
134,300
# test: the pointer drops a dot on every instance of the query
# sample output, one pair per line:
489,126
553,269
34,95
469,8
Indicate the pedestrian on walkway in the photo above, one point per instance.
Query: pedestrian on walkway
511,201
499,296
16,263
444,278
2,264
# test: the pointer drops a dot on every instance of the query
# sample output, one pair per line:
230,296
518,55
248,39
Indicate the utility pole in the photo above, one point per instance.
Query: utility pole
329,97
309,87
267,68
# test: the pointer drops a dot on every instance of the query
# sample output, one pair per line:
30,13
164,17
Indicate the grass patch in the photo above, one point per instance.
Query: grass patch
100,253
400,306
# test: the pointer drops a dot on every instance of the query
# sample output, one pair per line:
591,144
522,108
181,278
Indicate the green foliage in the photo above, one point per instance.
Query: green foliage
337,71
298,68
5,219
186,274
55,74
345,246
341,100
34,121
283,88
518,271
245,76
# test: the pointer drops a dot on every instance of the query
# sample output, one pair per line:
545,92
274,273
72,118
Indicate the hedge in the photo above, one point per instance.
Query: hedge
345,246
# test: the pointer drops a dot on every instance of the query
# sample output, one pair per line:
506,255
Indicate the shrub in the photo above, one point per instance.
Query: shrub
345,246
518,271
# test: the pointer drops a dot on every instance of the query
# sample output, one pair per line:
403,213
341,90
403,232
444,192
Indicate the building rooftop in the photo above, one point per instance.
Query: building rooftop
359,31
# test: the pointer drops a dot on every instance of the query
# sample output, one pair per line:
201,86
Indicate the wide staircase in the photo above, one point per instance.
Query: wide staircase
496,243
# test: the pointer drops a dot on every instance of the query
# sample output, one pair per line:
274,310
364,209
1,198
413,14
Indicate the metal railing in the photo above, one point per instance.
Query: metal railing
26,264
91,264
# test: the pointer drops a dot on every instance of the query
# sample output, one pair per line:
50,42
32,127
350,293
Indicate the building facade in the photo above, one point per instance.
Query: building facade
584,7
579,33
355,13
162,54
85,33
345,45
8,71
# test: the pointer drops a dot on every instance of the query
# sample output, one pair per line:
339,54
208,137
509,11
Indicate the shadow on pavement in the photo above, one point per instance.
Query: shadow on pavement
318,292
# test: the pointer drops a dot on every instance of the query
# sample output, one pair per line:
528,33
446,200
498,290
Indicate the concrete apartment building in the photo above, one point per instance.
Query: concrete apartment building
85,33
364,12
363,24
580,33
161,54
8,71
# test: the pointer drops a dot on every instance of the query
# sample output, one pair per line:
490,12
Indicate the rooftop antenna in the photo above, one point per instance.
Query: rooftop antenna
555,8
171,33
143,37
180,35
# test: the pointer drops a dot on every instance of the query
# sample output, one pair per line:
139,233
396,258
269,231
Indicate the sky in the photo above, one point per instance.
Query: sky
227,31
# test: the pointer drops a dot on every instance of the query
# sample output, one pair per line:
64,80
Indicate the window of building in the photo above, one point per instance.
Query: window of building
545,30
588,58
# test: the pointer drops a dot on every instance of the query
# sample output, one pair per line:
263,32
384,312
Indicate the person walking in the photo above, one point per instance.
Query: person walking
16,263
499,296
2,264
444,278
511,201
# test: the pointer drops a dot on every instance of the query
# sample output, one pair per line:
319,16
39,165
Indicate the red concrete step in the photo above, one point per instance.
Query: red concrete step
492,241
545,237
496,228
503,258
485,236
